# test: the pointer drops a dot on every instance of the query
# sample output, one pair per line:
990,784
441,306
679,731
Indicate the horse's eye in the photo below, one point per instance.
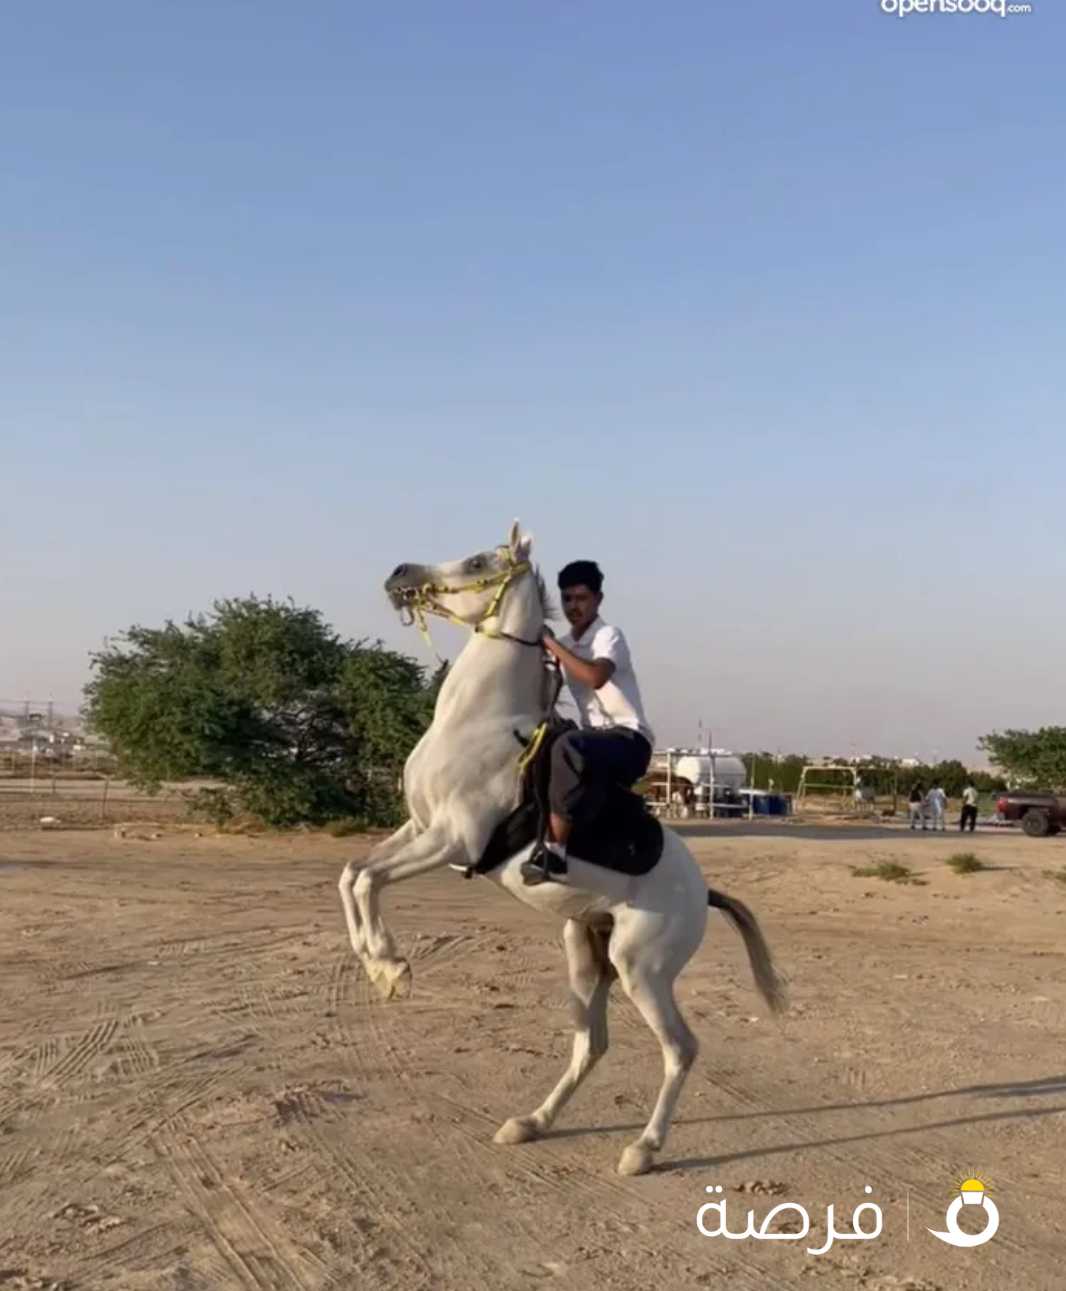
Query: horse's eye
477,563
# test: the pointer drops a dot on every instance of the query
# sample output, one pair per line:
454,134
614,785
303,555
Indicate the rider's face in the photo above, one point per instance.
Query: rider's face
580,605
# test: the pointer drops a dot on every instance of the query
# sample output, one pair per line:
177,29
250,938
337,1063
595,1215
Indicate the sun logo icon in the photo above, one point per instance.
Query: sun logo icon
971,1191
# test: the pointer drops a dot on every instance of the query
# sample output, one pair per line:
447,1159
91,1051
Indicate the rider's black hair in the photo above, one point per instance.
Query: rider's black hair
585,572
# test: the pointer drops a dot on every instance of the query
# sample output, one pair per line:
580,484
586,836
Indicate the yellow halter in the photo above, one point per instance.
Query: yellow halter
423,600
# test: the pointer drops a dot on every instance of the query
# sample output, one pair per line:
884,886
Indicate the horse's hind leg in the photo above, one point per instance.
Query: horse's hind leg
590,981
652,991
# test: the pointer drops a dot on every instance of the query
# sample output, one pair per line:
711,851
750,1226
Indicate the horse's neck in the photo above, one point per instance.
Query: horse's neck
497,677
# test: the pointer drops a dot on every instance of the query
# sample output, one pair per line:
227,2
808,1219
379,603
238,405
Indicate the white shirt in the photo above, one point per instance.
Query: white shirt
618,701
969,796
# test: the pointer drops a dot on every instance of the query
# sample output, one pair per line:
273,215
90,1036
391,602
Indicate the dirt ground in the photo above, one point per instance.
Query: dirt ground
198,1089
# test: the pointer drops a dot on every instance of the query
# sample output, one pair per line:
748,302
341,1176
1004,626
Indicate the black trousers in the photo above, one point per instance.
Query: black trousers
969,815
586,763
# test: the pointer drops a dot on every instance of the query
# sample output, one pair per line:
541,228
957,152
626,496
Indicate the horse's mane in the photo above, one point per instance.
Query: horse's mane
551,610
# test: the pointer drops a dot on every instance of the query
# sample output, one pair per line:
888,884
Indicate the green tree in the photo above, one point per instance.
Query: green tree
262,695
883,775
1036,758
783,769
389,705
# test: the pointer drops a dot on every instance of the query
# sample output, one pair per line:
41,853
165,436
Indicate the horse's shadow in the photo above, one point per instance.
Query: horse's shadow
1044,1085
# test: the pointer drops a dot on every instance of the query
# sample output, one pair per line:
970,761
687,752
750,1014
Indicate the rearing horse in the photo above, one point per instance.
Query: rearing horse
461,780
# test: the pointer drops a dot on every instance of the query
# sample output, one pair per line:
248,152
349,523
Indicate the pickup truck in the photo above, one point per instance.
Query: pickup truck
1040,813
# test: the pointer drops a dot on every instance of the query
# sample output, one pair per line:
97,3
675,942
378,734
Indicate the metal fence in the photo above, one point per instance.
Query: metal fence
22,764
25,801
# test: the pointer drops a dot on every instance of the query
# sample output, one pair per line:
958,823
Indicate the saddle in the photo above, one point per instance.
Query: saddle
624,836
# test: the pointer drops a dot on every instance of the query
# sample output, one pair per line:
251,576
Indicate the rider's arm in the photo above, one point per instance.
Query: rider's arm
589,672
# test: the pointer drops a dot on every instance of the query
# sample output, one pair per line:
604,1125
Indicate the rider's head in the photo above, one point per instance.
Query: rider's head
581,585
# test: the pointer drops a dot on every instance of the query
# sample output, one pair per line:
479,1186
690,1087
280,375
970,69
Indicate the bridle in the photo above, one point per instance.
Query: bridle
422,600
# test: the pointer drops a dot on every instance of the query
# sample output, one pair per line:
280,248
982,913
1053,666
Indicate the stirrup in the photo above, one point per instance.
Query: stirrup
533,873
542,866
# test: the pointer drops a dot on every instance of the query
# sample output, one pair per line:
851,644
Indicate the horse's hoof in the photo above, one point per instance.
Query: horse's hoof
392,977
519,1129
636,1159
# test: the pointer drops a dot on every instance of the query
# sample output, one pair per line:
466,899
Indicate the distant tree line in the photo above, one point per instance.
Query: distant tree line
881,774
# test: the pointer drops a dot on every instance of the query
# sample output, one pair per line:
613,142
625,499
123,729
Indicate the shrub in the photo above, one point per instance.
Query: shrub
345,825
966,863
889,871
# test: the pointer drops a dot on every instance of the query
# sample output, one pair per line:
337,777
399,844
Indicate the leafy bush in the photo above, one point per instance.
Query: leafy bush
1030,757
297,724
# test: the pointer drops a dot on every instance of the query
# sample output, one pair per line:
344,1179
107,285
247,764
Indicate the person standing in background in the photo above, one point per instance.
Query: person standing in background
917,806
938,801
969,809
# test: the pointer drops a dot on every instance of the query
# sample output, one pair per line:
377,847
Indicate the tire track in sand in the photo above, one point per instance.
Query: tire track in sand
76,1059
314,1125
562,1168
137,1056
565,1176
906,1164
52,1067
258,1251
15,1164
385,1194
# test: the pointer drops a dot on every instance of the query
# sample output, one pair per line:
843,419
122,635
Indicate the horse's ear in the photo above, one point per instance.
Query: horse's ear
521,544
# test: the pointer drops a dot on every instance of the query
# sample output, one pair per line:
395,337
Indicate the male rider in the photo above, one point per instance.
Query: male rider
614,743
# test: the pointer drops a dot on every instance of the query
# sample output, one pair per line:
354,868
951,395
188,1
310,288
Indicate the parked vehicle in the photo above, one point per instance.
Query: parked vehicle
1040,813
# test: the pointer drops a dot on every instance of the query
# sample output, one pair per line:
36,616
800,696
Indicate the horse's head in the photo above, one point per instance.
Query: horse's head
468,591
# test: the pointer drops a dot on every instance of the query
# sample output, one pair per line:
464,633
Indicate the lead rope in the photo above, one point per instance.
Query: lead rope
419,619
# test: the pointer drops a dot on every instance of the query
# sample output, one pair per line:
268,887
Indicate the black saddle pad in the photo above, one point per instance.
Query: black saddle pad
624,837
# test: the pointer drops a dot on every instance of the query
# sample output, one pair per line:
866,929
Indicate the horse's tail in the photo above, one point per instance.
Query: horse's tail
772,986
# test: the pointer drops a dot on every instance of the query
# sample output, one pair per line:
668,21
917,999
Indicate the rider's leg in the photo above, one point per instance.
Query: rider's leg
585,764
559,827
572,780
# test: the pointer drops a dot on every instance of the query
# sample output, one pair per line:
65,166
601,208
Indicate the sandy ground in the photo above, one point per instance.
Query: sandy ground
198,1088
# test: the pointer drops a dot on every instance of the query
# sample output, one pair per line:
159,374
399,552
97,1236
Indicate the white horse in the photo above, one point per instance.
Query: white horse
462,779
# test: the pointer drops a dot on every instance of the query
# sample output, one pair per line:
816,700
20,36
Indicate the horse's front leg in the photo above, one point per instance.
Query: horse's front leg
428,851
386,848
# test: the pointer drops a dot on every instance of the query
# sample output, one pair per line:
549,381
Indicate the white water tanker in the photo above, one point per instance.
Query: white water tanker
709,767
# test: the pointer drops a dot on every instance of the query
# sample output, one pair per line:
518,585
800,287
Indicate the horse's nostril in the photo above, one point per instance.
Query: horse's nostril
399,571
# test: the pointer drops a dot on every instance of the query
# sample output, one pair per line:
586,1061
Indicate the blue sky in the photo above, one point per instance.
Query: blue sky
761,306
